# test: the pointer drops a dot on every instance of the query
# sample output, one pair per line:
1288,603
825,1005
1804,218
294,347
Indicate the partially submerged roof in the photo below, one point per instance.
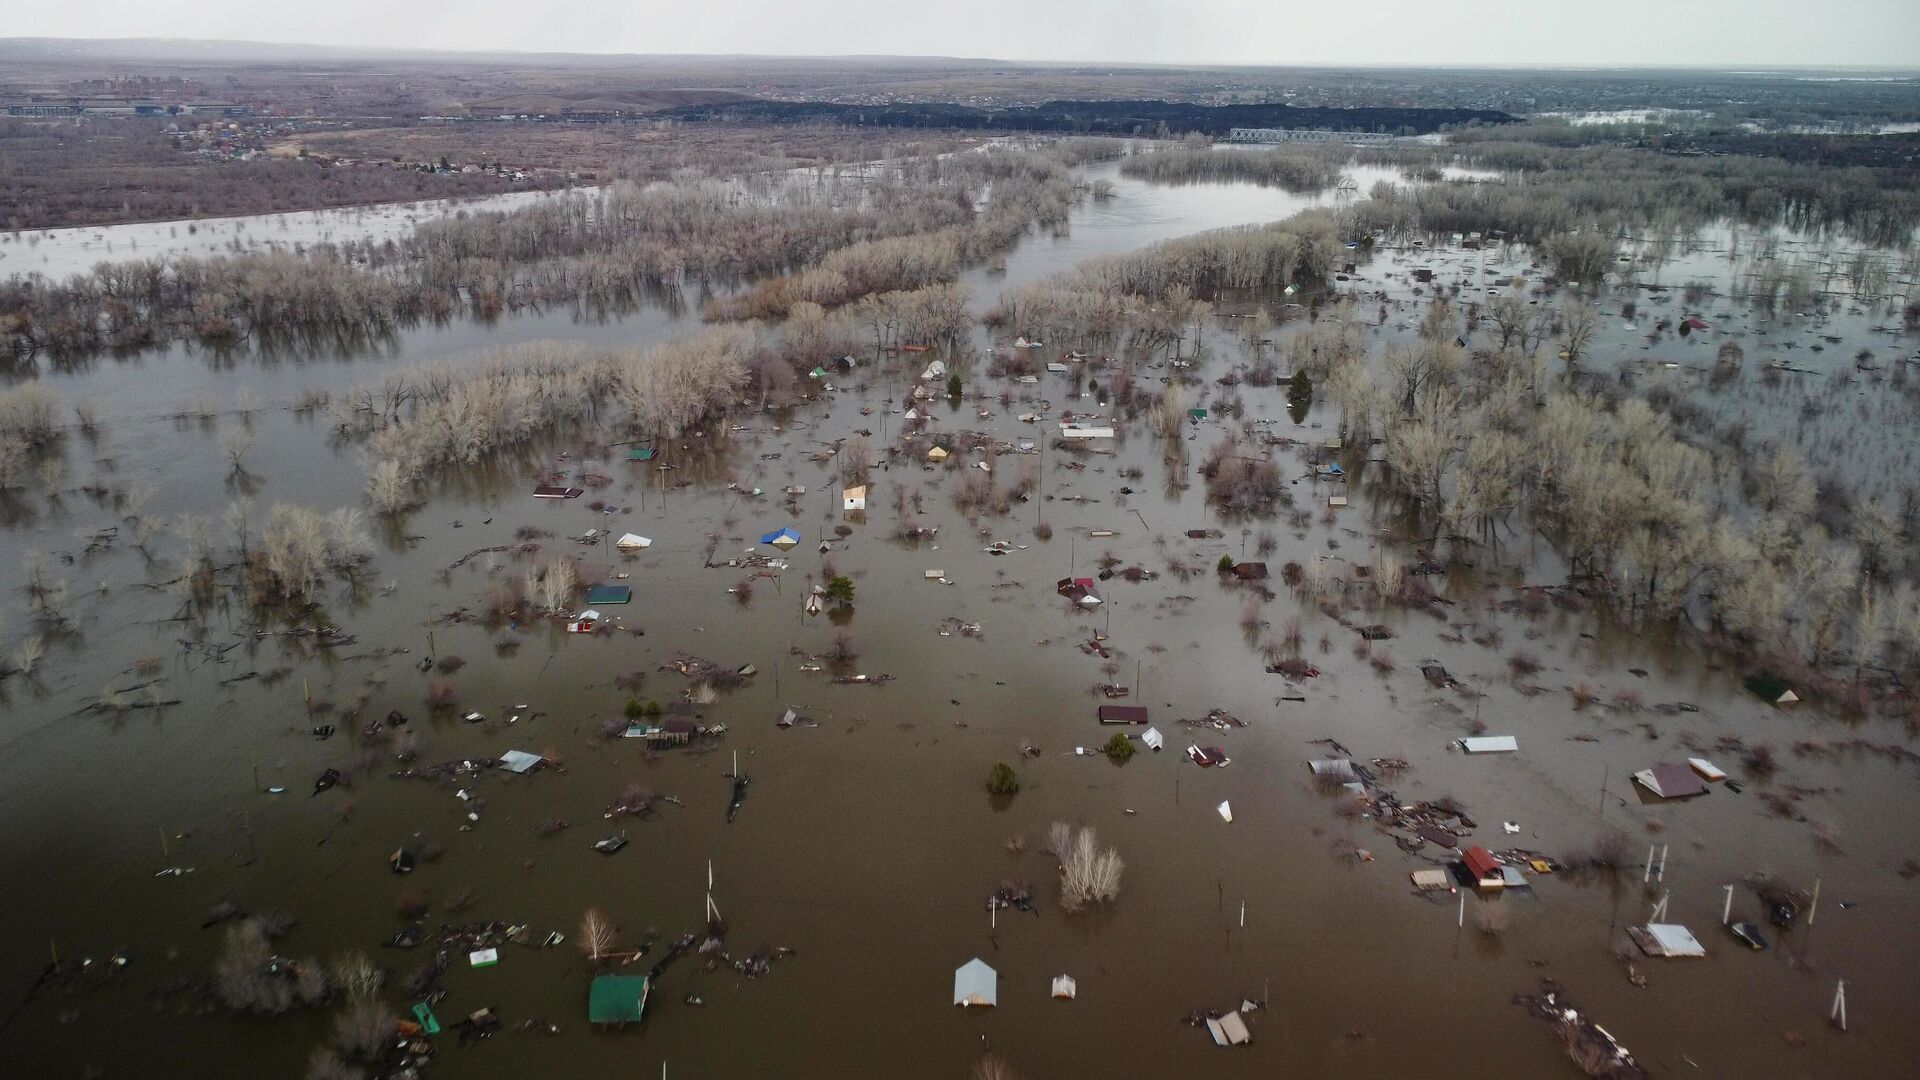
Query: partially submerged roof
617,999
1670,781
639,453
974,983
1669,939
1229,1030
609,594
1153,738
519,761
1064,987
782,538
633,542
1708,770
1490,744
1333,768
1123,714
1772,688
1482,864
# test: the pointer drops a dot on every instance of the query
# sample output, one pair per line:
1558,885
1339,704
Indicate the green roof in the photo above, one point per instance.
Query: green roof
639,453
617,999
609,594
1766,686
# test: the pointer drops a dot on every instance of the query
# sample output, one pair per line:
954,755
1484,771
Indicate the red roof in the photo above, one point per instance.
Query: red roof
1123,714
1482,864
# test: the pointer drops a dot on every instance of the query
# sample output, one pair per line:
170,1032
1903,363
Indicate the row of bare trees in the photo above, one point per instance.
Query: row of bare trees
910,227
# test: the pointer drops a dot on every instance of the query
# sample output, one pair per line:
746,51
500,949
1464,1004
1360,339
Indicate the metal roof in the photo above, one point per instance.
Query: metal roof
617,999
974,983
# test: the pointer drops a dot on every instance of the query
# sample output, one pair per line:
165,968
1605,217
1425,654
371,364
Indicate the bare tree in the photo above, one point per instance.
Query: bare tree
1089,874
236,443
1579,323
596,934
558,584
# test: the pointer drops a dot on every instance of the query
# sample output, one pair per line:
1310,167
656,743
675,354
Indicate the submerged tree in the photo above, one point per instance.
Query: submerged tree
1089,874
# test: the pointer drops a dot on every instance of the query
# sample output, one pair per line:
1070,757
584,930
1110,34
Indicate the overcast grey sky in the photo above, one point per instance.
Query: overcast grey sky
1516,32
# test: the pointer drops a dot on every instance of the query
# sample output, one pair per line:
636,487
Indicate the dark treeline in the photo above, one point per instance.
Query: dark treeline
1092,117
1714,136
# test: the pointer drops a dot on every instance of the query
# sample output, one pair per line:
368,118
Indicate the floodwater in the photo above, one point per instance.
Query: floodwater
868,844
56,253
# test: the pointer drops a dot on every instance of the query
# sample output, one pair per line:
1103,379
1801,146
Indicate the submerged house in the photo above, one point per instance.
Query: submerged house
617,999
1671,781
1485,868
974,983
1079,590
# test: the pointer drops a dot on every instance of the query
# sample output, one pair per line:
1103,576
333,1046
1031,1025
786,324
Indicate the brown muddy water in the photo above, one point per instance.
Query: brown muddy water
868,843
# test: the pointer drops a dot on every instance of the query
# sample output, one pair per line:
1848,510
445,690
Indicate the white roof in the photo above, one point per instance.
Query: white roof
1675,940
1229,1030
1069,430
590,613
633,540
974,983
519,760
1064,987
1706,769
1153,739
1226,810
1490,744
